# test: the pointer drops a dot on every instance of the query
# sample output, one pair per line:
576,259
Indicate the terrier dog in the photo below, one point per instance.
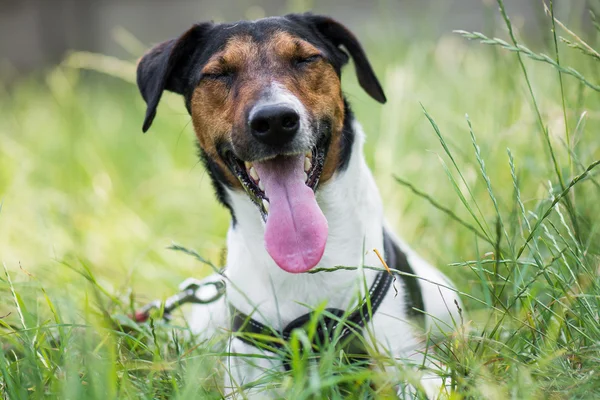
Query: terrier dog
284,153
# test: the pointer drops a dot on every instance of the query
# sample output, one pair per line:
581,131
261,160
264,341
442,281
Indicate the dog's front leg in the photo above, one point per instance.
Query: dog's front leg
248,371
412,381
405,373
397,336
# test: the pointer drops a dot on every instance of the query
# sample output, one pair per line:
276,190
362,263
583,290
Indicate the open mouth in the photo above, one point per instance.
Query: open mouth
248,175
283,187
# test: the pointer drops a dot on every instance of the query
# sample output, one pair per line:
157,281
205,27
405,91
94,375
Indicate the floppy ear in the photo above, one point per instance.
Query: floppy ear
168,66
339,35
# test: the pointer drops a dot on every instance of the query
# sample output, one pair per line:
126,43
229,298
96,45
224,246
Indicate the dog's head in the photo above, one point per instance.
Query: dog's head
267,107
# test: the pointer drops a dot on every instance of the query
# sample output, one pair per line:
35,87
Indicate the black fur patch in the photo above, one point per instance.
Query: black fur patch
347,139
219,181
415,306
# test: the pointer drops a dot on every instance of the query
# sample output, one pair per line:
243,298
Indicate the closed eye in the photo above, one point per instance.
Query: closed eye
225,75
301,61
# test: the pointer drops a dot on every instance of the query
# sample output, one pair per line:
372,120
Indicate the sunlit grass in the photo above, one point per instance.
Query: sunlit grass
499,199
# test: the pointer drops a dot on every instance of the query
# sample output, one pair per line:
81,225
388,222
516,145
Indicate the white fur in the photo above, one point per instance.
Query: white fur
258,287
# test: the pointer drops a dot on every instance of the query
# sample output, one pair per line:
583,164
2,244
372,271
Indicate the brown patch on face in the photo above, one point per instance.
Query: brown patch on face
240,73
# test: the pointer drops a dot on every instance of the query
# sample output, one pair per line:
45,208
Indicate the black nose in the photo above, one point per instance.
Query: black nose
274,124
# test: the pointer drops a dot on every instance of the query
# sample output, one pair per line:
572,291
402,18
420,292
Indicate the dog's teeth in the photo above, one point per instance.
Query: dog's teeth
305,177
247,164
261,185
254,174
266,205
307,164
308,154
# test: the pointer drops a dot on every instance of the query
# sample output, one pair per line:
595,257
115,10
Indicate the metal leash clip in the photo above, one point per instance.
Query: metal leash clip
190,293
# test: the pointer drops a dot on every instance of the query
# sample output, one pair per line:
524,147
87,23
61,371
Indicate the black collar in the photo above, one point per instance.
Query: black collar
264,337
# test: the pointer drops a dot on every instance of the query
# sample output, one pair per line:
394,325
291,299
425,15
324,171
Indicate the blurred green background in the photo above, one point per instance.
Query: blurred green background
84,193
80,183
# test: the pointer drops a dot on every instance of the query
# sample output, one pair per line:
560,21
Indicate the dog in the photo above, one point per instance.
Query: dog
285,156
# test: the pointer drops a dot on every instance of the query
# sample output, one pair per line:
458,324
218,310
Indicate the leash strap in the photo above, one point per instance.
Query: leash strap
189,294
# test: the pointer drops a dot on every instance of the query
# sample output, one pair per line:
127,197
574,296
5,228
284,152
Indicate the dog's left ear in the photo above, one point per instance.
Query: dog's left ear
339,35
168,66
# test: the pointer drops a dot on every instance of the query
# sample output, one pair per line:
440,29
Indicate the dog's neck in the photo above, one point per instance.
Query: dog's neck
353,208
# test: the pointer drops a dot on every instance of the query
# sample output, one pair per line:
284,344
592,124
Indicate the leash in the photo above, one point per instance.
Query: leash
190,294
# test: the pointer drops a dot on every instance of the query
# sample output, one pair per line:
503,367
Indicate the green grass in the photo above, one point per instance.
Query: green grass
505,201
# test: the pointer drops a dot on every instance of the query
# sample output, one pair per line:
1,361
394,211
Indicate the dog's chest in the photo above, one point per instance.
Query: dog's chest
279,298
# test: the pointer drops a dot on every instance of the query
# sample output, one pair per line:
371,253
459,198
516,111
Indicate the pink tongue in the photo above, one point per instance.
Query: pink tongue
296,229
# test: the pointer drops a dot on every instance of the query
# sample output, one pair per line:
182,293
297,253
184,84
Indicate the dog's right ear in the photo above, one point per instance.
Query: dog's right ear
168,66
338,35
